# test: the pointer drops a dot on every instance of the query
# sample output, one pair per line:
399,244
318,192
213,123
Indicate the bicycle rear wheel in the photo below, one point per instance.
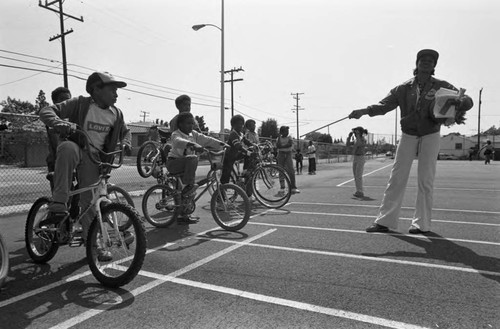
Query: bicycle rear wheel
117,194
271,186
160,206
147,156
126,249
4,261
41,243
230,207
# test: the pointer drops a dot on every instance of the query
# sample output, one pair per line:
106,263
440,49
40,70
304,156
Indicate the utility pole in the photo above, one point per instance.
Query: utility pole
479,124
63,33
144,115
297,109
233,80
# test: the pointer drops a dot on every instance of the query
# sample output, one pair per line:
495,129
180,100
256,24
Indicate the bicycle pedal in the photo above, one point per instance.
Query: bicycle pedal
76,241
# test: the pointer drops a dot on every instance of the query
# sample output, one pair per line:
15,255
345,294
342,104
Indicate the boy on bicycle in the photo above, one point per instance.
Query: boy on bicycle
105,126
182,157
237,149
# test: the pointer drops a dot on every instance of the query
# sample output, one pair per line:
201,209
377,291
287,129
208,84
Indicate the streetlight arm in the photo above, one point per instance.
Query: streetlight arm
200,26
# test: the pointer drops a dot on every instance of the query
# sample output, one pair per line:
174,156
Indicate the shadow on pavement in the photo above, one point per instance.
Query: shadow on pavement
440,248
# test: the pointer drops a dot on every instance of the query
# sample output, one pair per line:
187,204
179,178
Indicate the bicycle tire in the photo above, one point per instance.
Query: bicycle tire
118,194
4,261
230,207
41,244
127,249
159,205
267,186
146,167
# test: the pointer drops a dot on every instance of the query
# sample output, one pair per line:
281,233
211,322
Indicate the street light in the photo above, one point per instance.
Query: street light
221,29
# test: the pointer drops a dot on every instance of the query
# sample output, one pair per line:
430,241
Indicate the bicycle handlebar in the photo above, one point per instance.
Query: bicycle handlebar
75,129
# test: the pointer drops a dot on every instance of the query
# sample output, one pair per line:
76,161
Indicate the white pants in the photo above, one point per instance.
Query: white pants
426,149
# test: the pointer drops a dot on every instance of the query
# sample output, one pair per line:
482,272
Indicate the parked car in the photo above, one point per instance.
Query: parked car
445,156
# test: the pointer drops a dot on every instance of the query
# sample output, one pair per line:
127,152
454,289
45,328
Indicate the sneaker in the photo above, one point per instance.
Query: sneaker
104,255
414,230
295,191
128,238
189,189
377,228
281,193
186,220
359,195
54,218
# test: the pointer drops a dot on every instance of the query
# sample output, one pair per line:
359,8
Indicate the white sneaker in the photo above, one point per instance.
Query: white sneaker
295,191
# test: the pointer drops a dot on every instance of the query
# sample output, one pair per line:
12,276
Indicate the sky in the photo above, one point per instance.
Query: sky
341,55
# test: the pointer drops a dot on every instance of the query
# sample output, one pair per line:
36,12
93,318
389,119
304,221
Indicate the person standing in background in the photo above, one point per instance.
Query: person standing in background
311,155
358,157
284,144
298,162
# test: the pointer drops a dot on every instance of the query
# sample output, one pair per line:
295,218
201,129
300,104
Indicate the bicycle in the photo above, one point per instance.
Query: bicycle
4,261
268,182
229,204
152,154
116,228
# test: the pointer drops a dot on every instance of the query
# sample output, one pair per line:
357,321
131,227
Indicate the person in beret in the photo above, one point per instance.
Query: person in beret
420,138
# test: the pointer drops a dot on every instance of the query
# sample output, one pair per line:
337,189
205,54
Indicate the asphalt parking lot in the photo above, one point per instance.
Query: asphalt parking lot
308,265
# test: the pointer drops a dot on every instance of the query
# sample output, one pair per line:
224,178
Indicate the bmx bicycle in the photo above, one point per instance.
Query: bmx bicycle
152,155
229,204
4,261
269,183
116,228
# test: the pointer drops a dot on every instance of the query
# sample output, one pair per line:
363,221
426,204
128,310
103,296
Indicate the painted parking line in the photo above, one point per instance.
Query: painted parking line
287,302
375,259
134,293
422,237
371,172
378,206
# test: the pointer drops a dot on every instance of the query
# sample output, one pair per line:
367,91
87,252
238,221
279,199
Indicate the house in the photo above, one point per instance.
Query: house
139,131
457,145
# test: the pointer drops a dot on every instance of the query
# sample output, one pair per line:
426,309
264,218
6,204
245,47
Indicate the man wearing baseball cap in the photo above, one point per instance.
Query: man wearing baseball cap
420,138
105,127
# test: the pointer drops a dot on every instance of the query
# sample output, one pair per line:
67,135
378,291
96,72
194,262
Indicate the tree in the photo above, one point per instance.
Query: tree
269,128
492,131
314,136
201,123
41,101
325,138
12,105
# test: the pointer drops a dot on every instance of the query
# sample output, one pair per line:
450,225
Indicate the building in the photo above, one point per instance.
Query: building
457,145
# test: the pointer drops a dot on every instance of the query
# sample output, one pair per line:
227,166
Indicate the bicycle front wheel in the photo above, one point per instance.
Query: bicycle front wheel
115,256
147,156
41,243
271,186
117,194
230,207
160,206
4,261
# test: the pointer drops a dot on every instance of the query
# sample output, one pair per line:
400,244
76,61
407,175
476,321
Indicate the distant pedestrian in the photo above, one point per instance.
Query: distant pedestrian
358,160
489,150
284,144
298,162
415,99
311,155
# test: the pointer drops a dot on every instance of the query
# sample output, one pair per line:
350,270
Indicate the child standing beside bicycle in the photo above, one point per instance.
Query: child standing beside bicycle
284,144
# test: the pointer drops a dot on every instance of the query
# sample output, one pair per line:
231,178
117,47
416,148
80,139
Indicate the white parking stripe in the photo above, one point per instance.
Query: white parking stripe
371,172
375,259
120,299
286,302
403,218
378,206
424,237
